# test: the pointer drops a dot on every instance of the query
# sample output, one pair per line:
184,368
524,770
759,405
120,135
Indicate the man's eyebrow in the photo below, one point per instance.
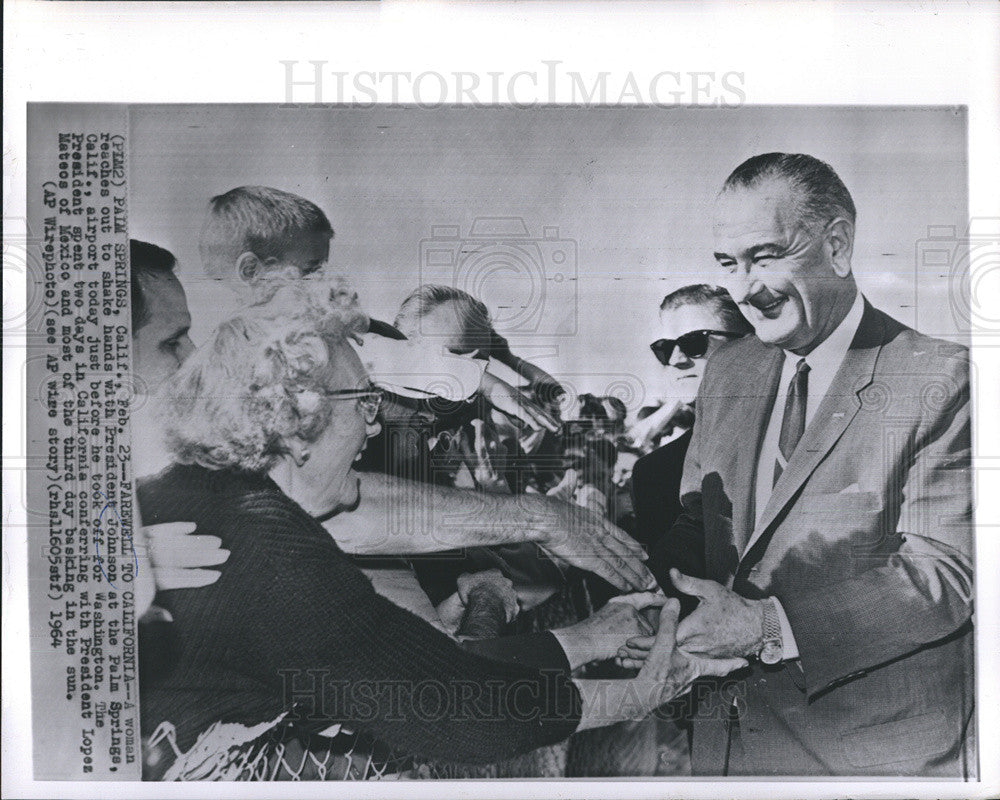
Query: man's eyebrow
757,249
753,252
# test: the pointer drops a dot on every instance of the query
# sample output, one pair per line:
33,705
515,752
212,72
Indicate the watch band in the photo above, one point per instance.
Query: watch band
771,649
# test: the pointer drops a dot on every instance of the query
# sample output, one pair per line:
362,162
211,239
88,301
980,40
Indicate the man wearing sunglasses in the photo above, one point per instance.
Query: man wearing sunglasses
694,321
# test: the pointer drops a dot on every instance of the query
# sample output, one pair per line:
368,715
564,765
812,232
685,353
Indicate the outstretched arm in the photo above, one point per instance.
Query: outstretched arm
401,517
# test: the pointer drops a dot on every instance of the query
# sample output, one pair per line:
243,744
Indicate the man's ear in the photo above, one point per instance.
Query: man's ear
248,268
840,246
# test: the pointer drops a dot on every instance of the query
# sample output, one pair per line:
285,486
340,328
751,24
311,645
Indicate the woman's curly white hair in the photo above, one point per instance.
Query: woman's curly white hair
263,377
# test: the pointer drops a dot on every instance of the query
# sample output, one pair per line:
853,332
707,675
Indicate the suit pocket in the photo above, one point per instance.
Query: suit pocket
841,503
910,739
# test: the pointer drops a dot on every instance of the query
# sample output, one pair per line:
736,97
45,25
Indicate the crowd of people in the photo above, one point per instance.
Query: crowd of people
351,558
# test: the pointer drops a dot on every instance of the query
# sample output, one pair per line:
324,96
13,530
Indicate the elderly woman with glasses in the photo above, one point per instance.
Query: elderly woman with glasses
292,633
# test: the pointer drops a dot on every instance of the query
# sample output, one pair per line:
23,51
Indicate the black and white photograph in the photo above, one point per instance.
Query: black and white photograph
513,444
497,443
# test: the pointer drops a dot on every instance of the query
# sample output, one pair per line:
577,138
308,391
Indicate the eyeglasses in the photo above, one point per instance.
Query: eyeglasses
693,344
369,400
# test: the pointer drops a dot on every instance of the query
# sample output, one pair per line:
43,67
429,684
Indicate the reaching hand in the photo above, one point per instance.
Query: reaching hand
505,398
583,539
600,635
484,603
178,558
669,672
565,490
723,625
491,581
644,433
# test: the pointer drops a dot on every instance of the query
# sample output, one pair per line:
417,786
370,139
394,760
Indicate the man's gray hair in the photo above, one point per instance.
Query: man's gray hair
472,313
822,195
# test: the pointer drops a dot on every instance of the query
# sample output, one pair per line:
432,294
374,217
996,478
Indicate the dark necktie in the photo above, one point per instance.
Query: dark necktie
793,421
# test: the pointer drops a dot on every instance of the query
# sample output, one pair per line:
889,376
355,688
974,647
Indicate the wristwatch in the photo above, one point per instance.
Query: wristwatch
771,650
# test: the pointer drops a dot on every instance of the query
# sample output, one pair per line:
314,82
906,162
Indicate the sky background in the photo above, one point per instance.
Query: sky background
616,203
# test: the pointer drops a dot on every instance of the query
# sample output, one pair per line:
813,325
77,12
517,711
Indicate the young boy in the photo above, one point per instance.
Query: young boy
255,231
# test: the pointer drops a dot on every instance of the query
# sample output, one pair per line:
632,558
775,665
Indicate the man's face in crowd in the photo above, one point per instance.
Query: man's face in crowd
441,326
784,277
161,344
686,372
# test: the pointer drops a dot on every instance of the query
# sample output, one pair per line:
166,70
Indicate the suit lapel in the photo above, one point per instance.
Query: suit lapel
836,411
760,394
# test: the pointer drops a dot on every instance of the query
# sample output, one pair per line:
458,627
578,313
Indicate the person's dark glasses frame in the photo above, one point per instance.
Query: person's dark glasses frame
693,344
370,400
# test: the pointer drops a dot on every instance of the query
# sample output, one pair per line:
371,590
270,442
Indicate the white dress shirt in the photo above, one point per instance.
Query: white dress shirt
823,363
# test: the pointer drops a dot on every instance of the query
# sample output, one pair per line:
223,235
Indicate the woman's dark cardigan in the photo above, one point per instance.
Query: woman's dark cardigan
292,624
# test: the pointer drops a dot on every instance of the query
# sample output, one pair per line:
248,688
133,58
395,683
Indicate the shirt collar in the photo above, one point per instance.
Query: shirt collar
829,353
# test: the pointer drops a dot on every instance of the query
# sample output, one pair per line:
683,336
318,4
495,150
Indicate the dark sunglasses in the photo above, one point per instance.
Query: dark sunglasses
693,344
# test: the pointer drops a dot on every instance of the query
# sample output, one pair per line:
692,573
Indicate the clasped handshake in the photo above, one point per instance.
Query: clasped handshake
722,632
642,631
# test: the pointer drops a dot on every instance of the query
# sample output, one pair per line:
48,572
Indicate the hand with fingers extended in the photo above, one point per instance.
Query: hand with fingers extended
517,405
179,557
581,538
600,635
724,625
169,557
666,672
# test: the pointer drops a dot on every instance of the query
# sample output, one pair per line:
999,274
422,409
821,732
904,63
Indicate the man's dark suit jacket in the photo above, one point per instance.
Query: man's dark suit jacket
656,501
867,543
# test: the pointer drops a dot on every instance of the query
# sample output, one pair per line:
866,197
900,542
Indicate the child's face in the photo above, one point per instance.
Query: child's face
309,254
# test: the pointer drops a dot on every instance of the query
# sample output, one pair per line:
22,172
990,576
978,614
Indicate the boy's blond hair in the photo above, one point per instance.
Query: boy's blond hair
255,219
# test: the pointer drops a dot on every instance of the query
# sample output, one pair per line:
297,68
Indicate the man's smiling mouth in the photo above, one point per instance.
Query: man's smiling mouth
769,309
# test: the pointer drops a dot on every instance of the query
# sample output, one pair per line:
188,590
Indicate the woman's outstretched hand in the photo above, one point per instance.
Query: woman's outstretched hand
599,636
666,673
669,670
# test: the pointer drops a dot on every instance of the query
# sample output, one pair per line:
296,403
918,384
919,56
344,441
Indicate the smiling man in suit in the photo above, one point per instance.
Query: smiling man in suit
829,474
